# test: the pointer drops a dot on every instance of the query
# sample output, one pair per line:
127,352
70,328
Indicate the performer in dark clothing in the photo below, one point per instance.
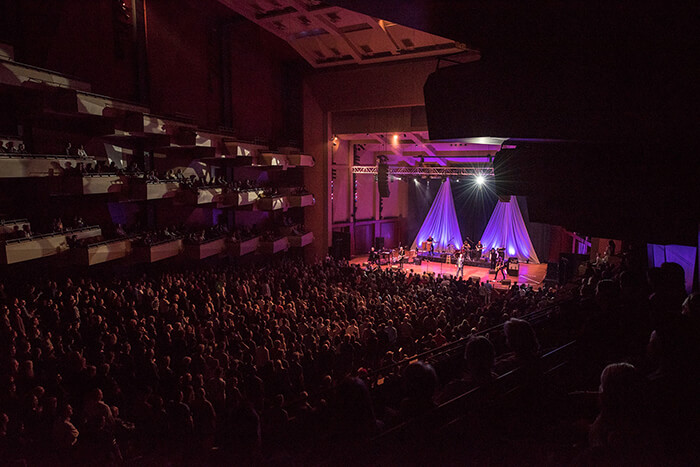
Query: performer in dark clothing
431,244
500,267
493,256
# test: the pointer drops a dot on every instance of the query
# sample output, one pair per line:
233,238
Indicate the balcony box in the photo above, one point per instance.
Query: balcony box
202,196
245,247
159,251
301,240
272,203
162,190
274,246
102,252
300,201
272,160
301,160
205,249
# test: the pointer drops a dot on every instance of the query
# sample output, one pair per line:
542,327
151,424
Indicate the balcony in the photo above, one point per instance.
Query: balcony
270,159
301,201
158,251
201,196
103,252
42,246
26,165
272,203
205,249
8,226
270,247
244,198
94,184
301,240
301,160
244,247
139,189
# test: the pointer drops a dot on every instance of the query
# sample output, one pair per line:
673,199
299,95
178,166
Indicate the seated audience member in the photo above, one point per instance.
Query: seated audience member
521,339
354,414
420,381
479,357
621,433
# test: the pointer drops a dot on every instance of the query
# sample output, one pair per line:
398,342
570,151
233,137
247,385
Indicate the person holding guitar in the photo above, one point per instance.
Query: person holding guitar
431,244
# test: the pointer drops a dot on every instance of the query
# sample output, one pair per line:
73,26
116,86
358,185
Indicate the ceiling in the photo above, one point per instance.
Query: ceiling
326,35
415,149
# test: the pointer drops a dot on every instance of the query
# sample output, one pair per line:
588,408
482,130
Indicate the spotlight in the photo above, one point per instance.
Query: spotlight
480,180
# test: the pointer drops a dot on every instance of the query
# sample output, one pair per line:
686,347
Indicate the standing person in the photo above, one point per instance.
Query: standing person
493,257
402,255
431,244
500,267
460,266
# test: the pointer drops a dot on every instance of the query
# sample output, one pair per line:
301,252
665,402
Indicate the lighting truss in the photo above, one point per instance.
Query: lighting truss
425,171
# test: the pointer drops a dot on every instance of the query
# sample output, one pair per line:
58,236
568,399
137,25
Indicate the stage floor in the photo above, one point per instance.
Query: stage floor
530,274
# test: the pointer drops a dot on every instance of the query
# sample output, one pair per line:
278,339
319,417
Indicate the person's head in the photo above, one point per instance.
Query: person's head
479,355
420,381
354,406
521,337
621,389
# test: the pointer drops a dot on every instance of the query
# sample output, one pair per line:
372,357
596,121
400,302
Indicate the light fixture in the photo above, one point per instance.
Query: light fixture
480,180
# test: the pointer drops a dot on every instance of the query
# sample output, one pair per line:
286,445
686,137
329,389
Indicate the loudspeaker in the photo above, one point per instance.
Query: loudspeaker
475,279
505,282
513,267
378,243
341,245
417,261
383,180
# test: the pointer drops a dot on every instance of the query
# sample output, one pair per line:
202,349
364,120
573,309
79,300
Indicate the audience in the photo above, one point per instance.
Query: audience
255,361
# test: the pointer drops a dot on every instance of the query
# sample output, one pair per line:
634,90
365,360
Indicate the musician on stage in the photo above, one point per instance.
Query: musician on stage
501,267
373,257
493,256
402,255
460,265
479,250
431,244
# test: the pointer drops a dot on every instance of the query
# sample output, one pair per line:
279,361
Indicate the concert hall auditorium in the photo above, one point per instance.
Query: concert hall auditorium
349,232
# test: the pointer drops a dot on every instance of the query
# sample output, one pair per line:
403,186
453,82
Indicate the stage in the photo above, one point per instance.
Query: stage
530,274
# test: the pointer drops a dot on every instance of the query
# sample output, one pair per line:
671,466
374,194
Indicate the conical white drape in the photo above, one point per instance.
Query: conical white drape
441,221
506,228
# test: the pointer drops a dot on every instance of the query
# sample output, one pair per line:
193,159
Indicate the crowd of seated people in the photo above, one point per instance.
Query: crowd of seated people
10,148
258,360
207,234
209,357
56,226
242,233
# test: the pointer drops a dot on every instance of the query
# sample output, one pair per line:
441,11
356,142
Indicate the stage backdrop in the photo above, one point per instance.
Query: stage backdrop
441,221
507,229
473,205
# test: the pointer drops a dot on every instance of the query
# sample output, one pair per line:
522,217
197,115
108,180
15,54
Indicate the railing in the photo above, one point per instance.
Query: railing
107,242
455,408
51,234
159,242
443,350
14,221
16,155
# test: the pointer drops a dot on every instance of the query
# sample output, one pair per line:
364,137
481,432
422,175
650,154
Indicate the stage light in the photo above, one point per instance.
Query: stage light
415,180
480,180
511,251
